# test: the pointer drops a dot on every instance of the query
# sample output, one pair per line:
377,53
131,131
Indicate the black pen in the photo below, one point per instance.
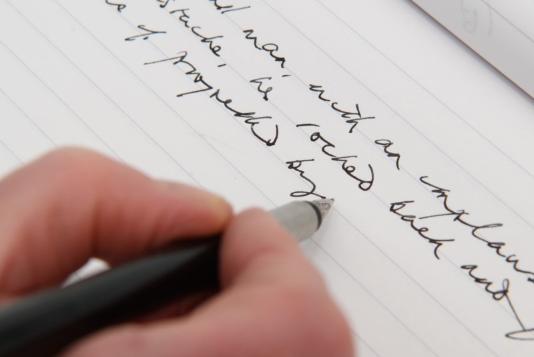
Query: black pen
45,323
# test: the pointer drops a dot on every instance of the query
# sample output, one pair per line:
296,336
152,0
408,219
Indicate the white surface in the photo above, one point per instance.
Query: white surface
501,31
68,77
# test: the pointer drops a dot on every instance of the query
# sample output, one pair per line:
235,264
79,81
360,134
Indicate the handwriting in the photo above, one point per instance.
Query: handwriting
387,144
252,120
502,293
145,35
497,295
524,334
352,117
397,207
271,48
459,216
190,70
296,166
118,6
268,137
185,19
349,169
260,85
163,3
356,166
223,9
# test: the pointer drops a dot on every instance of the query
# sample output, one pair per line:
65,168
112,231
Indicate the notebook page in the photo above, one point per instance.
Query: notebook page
499,32
429,251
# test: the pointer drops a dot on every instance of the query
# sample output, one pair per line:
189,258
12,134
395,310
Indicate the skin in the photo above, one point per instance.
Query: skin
72,204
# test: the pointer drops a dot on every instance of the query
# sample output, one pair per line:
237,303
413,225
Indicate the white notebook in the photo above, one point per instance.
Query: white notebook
426,148
500,31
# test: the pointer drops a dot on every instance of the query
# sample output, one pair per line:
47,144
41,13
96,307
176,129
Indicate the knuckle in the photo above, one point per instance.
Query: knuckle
68,167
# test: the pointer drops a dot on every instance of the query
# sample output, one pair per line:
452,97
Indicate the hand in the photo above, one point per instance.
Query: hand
72,204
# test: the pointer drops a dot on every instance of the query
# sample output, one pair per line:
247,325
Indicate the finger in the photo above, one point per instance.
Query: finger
275,304
74,204
177,308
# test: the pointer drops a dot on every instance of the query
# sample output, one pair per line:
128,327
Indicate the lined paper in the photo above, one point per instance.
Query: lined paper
500,31
426,149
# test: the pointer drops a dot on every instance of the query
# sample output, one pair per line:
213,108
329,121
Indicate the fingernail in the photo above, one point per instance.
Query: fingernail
219,207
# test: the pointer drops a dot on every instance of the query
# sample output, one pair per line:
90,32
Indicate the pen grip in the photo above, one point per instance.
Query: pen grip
53,319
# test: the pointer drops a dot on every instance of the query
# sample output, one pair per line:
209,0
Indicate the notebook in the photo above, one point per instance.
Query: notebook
500,31
426,148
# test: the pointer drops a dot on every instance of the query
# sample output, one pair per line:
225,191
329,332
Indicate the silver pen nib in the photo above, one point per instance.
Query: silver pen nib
302,218
324,206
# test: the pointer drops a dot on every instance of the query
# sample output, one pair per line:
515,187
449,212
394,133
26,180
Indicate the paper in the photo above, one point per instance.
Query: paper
500,31
426,149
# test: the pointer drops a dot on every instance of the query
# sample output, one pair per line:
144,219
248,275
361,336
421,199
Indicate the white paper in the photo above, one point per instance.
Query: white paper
500,31
68,76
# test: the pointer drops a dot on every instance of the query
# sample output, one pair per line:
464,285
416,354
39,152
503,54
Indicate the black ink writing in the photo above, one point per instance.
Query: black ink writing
476,230
397,207
252,120
297,167
185,19
387,144
119,6
351,117
262,87
223,9
350,169
271,48
190,70
145,35
268,136
499,294
163,3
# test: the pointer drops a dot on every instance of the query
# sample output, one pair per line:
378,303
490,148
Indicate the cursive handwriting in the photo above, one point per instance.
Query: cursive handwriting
223,9
350,169
145,35
262,87
296,165
271,48
476,230
499,294
119,6
251,119
387,144
397,207
265,128
351,117
268,136
163,3
185,19
189,69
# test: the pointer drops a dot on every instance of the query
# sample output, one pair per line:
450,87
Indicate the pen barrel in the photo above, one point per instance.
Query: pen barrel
45,323
300,218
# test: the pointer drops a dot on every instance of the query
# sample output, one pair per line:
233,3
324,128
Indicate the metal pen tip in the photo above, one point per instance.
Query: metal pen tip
324,206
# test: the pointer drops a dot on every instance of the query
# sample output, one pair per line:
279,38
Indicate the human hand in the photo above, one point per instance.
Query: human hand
72,204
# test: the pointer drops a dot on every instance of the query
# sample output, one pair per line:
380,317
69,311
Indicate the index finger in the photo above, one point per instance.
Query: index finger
274,303
72,204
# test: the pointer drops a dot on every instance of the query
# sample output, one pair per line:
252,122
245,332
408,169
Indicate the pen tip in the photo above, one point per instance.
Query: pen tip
324,206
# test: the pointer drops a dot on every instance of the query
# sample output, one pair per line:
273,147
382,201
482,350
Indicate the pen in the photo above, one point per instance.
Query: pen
45,323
